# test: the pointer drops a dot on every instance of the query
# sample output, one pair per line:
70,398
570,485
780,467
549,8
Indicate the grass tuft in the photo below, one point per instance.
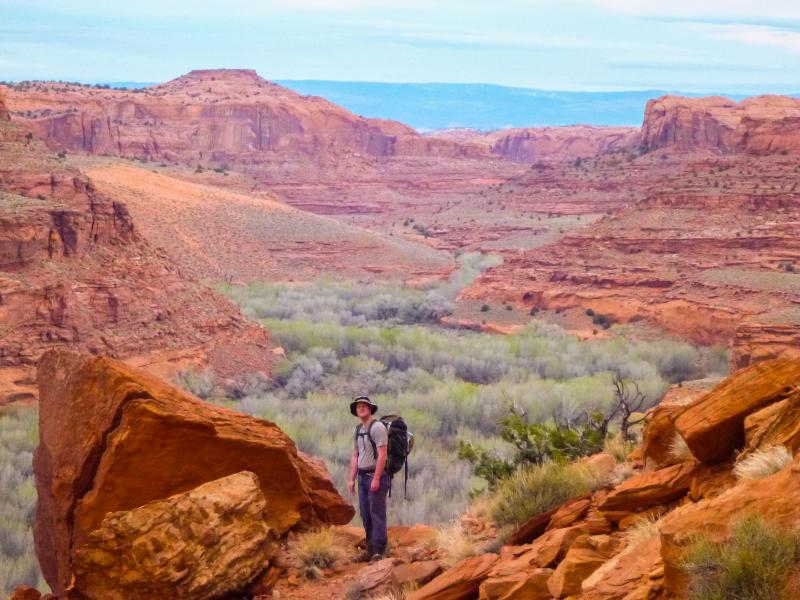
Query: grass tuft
678,448
317,550
536,489
763,463
754,564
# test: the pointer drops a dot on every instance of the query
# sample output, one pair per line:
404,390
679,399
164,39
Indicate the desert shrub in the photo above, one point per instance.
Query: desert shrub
533,443
754,564
18,437
317,550
535,489
763,463
201,383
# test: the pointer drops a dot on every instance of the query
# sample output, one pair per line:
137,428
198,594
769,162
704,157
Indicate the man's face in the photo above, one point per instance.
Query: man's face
363,410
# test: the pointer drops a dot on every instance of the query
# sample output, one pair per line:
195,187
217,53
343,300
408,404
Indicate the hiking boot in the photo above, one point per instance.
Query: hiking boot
376,557
365,556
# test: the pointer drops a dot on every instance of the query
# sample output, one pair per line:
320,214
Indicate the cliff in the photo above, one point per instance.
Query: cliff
757,125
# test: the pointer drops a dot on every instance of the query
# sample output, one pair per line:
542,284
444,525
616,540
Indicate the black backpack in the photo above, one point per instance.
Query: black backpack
400,444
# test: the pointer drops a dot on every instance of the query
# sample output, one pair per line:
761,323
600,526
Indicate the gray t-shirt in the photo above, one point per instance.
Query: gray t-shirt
366,457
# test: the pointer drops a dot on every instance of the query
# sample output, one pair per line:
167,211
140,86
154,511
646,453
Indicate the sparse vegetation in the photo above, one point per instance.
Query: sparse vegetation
317,550
536,489
763,463
383,340
753,564
18,438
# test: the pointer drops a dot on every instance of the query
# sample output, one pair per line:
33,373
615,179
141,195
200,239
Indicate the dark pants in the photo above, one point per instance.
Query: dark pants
372,506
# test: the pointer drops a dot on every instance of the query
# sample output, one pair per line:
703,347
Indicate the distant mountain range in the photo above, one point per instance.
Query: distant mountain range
427,106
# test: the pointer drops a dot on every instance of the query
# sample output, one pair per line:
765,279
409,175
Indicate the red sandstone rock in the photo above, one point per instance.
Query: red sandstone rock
650,488
625,573
461,582
585,555
200,544
75,273
25,592
528,145
758,125
415,574
520,585
113,438
713,426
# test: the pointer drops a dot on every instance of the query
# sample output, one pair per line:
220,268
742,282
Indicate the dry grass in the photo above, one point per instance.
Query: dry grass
317,550
618,447
620,473
763,463
456,543
642,530
678,448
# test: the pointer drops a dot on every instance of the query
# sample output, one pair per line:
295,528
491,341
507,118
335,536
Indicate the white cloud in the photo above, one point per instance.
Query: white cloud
727,9
759,35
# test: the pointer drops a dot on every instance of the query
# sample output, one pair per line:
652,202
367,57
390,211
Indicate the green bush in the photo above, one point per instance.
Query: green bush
535,489
754,564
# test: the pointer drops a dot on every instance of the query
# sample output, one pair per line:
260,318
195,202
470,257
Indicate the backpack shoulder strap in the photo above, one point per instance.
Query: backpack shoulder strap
371,441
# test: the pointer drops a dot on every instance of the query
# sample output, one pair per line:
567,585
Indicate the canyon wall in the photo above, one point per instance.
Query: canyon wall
757,125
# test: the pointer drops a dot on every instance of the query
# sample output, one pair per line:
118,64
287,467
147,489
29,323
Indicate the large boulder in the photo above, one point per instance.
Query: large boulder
713,425
113,438
201,544
774,498
777,424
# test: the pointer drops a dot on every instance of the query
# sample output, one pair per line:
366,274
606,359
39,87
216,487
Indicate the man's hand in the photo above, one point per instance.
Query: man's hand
375,485
351,486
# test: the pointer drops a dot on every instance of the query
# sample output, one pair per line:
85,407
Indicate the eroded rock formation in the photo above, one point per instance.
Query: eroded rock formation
758,125
531,144
200,544
113,438
74,272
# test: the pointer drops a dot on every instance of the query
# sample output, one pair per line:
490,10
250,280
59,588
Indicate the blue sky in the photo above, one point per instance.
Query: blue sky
729,46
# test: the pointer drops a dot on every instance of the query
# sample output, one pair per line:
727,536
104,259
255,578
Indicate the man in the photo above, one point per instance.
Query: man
367,463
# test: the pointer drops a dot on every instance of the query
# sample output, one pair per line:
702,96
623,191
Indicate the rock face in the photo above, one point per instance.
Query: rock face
223,115
532,144
702,246
4,116
200,544
758,125
113,439
75,273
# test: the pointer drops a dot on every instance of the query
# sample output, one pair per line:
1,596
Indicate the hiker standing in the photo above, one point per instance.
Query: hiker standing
369,464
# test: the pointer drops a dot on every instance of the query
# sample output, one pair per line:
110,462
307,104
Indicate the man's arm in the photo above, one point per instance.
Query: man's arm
351,484
376,479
